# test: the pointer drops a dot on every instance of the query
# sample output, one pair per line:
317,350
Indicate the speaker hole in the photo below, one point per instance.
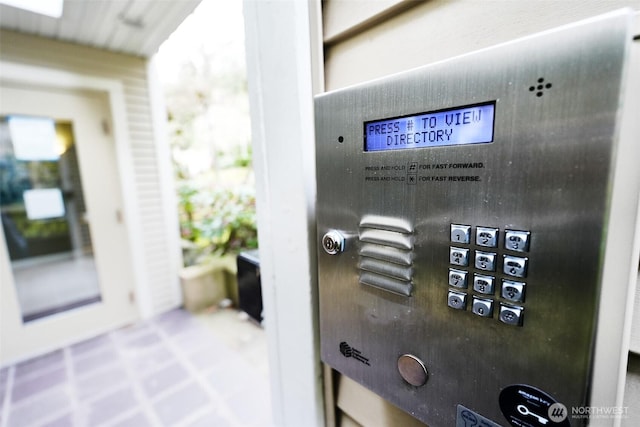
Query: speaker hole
539,88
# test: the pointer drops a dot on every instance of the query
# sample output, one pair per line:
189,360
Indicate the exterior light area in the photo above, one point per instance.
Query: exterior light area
51,8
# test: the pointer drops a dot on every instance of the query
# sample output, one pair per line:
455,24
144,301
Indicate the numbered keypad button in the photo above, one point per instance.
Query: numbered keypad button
513,291
459,256
511,315
482,301
457,300
486,236
515,266
482,307
458,278
485,261
517,241
483,284
460,234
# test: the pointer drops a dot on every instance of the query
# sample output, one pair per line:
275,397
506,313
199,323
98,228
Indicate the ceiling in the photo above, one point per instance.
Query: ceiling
136,27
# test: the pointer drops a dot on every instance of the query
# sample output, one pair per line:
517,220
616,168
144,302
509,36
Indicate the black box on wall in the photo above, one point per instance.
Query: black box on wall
249,286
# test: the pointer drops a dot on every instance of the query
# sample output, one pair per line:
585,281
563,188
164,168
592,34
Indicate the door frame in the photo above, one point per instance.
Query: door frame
285,69
48,78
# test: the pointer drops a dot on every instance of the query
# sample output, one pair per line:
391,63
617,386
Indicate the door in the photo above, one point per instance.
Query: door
65,264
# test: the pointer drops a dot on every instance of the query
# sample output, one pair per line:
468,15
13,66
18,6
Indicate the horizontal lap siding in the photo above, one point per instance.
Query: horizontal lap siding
366,43
368,40
131,71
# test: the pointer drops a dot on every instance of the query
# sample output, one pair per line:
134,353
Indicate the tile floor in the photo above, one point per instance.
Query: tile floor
174,370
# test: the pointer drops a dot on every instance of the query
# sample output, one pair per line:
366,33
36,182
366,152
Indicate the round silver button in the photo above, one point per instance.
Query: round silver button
333,242
412,370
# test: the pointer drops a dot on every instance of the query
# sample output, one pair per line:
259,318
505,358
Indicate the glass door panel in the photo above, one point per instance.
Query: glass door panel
44,217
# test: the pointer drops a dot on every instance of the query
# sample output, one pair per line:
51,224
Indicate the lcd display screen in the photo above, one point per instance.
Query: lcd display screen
454,126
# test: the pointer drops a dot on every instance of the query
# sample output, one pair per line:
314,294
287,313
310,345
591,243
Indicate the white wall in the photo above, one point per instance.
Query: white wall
152,216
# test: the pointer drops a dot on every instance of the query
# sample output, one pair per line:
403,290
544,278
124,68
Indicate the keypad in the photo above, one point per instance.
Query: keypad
488,273
482,307
485,261
486,236
458,278
517,241
513,291
511,315
460,233
515,266
459,256
457,300
483,284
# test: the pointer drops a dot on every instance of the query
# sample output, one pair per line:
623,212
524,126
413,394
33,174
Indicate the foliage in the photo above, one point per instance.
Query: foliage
216,222
243,158
16,219
209,135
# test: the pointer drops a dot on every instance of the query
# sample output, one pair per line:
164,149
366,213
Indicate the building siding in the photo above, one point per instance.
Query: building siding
363,43
360,47
131,71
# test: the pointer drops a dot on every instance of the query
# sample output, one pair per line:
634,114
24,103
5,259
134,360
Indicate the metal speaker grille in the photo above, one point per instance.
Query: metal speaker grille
386,254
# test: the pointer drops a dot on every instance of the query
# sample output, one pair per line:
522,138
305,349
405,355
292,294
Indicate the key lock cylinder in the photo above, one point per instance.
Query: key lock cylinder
333,242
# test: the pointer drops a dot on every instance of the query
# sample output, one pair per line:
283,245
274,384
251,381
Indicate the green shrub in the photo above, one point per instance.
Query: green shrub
216,222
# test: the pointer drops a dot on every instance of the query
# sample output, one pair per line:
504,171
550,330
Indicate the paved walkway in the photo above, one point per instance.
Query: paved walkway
170,371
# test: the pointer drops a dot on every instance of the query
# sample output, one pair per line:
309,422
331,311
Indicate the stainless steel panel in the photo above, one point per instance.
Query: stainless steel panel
547,173
389,238
386,253
384,223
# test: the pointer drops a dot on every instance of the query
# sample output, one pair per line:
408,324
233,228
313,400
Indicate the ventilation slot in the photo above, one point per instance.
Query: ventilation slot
386,254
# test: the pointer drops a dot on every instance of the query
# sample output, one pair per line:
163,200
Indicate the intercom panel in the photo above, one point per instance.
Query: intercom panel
462,212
